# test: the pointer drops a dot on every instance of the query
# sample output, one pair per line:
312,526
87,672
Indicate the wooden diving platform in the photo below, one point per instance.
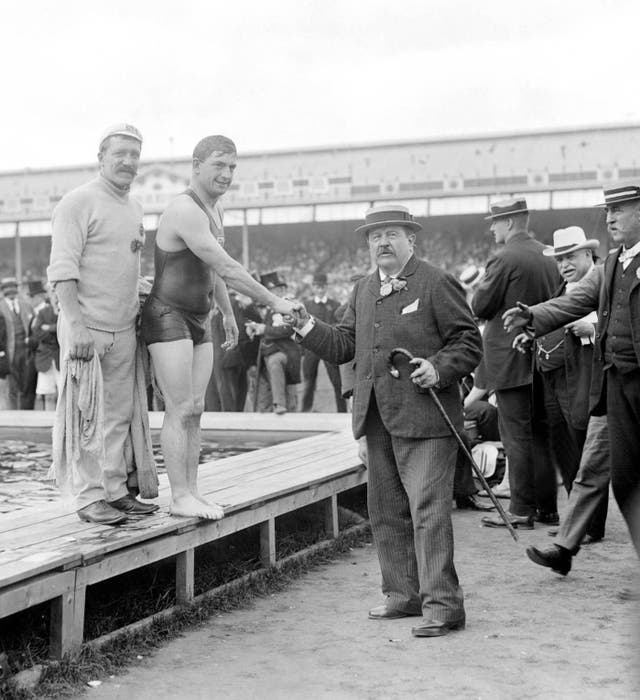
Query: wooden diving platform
48,554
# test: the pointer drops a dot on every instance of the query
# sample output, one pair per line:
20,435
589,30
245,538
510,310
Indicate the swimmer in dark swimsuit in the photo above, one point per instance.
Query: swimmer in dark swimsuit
192,271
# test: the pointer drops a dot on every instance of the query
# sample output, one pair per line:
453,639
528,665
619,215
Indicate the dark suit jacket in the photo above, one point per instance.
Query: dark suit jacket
441,329
578,361
278,339
44,343
592,292
517,272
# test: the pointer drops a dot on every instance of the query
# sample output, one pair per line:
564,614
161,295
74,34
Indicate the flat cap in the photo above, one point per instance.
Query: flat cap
122,129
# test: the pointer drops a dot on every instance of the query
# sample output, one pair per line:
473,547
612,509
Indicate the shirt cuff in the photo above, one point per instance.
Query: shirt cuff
302,332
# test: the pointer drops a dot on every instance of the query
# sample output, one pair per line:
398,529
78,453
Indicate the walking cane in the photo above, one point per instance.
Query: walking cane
257,380
395,373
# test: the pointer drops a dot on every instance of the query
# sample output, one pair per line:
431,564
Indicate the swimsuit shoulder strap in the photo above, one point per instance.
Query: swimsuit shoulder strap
212,224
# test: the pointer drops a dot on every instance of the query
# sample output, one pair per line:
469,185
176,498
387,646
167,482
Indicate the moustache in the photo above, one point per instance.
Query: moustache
127,170
384,249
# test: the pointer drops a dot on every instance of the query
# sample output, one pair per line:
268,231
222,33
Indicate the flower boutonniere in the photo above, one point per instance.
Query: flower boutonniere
393,285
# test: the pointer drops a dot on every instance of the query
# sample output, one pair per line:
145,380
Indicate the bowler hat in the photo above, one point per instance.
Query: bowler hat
320,278
621,193
35,287
271,280
507,207
388,215
566,240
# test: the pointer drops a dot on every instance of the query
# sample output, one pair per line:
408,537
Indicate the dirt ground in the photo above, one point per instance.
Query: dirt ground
530,634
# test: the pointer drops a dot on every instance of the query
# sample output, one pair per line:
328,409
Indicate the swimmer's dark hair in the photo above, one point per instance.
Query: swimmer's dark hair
211,144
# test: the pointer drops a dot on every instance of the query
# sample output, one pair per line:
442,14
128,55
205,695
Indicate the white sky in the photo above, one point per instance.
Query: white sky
300,73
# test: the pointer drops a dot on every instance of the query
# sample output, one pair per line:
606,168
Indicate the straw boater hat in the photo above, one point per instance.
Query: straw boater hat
566,240
507,207
388,215
471,275
620,193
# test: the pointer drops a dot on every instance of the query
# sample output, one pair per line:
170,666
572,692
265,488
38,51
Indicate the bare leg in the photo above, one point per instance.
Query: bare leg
200,374
173,367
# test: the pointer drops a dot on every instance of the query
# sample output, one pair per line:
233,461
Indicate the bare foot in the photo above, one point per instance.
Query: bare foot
192,507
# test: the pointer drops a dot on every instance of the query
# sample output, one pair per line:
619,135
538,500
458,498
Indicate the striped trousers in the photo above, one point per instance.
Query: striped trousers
410,489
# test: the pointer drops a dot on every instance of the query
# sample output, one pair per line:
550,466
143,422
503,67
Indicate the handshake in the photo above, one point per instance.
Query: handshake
293,312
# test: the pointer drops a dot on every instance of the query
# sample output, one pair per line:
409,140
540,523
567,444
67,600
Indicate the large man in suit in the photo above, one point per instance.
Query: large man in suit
411,454
517,271
616,296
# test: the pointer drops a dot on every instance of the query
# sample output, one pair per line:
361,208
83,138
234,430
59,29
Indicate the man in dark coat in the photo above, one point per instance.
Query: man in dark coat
616,296
323,307
17,313
411,454
280,354
517,271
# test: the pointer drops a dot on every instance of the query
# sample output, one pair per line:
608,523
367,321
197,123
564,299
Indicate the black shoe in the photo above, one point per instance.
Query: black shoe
472,503
591,539
383,612
556,558
524,522
128,504
547,518
101,513
436,628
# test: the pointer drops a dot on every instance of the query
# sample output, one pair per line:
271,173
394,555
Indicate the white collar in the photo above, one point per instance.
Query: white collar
628,253
320,300
384,275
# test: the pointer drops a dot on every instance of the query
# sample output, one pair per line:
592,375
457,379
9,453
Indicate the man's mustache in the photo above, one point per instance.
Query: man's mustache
384,249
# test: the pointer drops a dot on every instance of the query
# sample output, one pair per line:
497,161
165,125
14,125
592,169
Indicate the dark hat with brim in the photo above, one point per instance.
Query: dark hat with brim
320,278
507,207
567,240
36,287
620,193
388,215
271,280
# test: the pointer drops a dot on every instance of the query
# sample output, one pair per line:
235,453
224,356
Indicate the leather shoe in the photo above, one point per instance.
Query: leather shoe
556,558
436,628
472,503
547,518
384,612
524,522
591,539
128,504
101,513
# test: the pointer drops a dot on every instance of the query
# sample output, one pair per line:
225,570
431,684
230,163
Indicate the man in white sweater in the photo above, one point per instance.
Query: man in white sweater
97,235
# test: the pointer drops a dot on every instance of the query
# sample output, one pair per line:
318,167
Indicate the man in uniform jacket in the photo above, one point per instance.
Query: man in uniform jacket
411,454
616,296
517,271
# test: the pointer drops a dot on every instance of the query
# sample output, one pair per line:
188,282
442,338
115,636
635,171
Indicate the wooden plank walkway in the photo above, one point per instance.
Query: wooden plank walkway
48,554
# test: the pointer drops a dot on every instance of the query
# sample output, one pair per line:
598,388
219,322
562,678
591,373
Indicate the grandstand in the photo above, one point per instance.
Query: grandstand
296,209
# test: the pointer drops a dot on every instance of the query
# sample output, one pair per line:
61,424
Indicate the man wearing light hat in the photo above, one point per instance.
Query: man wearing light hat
518,270
97,235
615,294
580,445
411,453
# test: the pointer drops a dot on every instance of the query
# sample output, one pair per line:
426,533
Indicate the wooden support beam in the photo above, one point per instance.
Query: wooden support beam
331,526
268,542
66,631
185,576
